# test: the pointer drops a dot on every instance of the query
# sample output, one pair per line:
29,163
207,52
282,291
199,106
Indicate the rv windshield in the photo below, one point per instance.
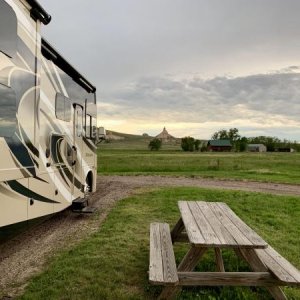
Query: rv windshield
8,30
7,111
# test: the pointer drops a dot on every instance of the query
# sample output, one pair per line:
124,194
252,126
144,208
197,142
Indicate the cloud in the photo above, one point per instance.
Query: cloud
268,101
126,47
111,41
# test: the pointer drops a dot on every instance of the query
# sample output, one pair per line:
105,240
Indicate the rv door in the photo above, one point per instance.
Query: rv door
77,151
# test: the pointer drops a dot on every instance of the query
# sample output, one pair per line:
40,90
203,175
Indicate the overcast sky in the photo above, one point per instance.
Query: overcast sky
194,66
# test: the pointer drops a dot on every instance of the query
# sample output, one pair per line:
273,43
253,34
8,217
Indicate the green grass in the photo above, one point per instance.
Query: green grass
113,263
271,167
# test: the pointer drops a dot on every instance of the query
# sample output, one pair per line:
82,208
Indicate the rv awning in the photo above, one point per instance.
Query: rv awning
50,53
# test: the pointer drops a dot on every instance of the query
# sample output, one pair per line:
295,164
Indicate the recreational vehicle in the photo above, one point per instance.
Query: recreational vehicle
48,121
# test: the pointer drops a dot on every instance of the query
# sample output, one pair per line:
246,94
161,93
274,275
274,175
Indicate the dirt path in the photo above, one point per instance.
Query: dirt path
272,188
26,254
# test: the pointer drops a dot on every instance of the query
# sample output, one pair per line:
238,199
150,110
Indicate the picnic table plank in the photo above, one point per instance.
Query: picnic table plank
251,235
155,268
191,227
239,237
227,279
168,258
207,231
224,236
279,266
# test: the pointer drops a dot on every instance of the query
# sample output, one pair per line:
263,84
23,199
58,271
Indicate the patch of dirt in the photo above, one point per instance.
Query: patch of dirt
26,254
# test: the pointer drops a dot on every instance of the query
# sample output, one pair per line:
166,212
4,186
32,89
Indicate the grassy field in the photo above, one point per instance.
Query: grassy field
271,167
113,263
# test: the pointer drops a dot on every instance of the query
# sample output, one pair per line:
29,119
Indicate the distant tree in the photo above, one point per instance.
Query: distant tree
155,144
188,144
220,135
241,144
232,134
197,144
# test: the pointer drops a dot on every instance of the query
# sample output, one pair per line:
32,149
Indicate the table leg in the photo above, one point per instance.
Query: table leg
258,266
169,292
178,228
238,253
188,263
191,259
219,260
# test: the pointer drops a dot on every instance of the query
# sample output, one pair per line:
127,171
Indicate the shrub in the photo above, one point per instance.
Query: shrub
155,144
188,144
197,144
204,148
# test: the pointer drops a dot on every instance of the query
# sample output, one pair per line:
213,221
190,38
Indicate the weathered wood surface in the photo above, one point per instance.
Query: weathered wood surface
214,224
177,230
191,227
227,279
182,237
224,236
219,260
243,227
203,224
162,266
191,259
279,266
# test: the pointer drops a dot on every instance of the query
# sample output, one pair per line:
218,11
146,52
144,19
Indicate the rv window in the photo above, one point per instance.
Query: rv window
78,121
7,111
88,125
94,128
68,106
63,108
8,30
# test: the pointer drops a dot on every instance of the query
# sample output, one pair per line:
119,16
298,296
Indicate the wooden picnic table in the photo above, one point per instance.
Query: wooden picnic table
206,225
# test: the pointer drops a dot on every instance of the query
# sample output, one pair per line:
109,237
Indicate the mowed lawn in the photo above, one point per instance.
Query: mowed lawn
113,263
270,167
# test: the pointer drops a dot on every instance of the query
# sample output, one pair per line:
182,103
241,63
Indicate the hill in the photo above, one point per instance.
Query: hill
123,136
119,140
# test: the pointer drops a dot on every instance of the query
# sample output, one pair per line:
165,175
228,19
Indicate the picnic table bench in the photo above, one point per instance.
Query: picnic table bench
214,225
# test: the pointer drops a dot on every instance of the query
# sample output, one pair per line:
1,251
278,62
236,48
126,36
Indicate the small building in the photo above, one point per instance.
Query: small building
256,148
219,145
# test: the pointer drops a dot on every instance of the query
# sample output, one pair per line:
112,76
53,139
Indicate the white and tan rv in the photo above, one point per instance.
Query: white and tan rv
48,119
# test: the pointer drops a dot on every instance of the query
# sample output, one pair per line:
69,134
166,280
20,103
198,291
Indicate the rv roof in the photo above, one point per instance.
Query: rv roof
38,12
50,53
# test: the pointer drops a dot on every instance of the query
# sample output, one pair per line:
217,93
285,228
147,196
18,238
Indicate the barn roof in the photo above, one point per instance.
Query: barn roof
220,143
256,145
